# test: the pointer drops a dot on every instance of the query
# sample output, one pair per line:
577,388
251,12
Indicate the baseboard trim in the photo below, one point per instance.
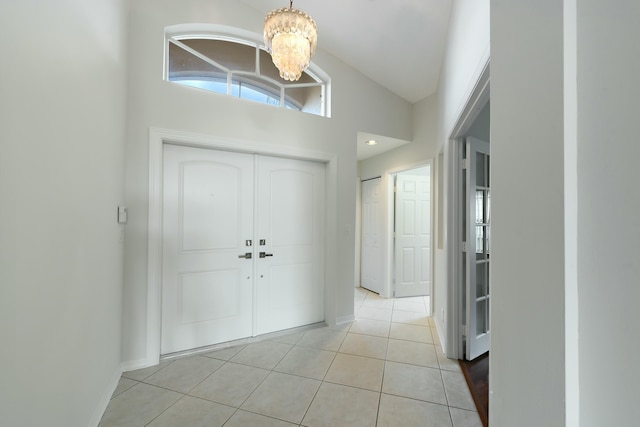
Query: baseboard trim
132,365
106,397
345,319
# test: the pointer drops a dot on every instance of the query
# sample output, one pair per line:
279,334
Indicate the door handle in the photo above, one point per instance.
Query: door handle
263,254
246,255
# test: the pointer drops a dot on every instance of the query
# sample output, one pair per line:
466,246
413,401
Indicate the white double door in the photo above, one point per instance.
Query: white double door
242,246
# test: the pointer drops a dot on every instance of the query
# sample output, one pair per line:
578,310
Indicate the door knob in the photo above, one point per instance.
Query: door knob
263,254
246,255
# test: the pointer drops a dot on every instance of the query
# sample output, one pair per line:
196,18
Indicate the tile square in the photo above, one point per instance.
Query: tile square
410,318
458,394
338,405
377,328
395,410
413,306
265,354
249,419
403,331
124,384
323,339
291,338
138,406
415,382
376,301
282,396
445,363
306,362
231,384
141,374
374,313
364,345
414,353
225,353
462,418
342,327
193,412
184,374
356,371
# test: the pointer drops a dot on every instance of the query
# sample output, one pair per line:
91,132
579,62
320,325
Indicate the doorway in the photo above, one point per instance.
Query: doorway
396,237
242,246
468,235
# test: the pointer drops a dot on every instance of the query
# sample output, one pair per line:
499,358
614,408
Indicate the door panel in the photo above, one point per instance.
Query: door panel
207,216
205,186
413,235
478,227
372,259
290,220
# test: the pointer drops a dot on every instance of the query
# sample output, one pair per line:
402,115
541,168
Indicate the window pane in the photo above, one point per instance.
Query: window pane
479,206
183,66
209,64
480,170
481,275
482,317
256,89
308,98
268,69
233,56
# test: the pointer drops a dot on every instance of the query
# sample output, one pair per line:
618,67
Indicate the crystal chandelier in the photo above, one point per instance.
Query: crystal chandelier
291,37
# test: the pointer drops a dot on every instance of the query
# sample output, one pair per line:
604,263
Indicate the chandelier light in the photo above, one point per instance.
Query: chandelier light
291,37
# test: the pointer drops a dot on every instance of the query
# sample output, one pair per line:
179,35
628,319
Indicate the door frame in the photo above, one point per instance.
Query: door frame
389,249
479,97
157,138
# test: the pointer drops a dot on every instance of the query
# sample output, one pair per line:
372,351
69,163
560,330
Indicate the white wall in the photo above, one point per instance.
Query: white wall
466,55
61,178
527,273
608,203
357,104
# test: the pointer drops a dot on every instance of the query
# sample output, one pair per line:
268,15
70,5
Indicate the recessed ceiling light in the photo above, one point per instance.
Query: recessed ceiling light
371,142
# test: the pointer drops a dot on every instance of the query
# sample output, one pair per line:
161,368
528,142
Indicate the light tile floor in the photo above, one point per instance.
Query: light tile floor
384,369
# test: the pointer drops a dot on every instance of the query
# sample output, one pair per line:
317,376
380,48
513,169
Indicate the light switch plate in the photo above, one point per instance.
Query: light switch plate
122,215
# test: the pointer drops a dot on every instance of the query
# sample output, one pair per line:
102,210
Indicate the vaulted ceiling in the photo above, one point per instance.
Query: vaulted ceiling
397,43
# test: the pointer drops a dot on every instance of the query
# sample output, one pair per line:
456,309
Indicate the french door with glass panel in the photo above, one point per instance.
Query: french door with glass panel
477,247
242,246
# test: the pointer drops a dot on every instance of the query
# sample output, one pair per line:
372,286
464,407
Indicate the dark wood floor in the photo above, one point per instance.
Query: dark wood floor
476,372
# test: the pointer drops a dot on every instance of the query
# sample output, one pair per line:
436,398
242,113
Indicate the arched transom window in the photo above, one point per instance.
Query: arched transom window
241,68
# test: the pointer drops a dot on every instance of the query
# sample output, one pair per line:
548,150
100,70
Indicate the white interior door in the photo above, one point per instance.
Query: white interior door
413,234
207,219
290,244
372,257
477,254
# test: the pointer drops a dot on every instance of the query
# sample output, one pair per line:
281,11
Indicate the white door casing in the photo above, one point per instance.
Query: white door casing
217,207
412,235
372,258
477,254
290,221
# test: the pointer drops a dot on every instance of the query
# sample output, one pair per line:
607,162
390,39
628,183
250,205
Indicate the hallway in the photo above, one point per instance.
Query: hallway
384,369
